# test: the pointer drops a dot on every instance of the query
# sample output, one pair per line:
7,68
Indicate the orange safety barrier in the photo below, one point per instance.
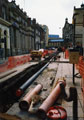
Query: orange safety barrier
44,53
3,67
80,67
29,58
18,61
50,51
24,59
66,54
14,61
11,62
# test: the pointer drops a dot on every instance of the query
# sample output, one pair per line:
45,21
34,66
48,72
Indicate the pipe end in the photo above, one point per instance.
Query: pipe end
23,105
41,114
19,92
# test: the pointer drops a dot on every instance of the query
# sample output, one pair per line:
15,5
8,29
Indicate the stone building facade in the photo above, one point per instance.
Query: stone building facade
68,33
23,33
4,29
46,29
78,21
18,30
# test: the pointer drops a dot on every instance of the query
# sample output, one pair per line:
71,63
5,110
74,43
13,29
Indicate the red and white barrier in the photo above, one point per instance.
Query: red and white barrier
14,61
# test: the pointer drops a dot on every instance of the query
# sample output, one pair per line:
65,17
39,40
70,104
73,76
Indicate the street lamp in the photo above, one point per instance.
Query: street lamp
74,24
74,20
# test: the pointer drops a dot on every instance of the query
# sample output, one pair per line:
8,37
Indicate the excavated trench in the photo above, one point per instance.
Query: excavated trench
8,88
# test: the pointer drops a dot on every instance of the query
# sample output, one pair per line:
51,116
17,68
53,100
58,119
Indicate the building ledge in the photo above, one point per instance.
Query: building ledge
4,22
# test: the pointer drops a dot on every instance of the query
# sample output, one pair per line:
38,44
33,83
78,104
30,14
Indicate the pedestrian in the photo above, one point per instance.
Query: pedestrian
63,50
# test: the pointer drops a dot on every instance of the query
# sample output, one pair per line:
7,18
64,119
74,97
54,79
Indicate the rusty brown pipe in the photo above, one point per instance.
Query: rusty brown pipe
26,101
50,100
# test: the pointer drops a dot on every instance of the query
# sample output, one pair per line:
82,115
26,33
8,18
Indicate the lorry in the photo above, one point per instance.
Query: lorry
36,54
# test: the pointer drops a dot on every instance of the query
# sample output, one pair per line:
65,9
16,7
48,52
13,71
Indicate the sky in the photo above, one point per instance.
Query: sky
50,12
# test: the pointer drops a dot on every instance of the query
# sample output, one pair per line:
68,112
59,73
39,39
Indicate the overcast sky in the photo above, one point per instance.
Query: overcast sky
50,12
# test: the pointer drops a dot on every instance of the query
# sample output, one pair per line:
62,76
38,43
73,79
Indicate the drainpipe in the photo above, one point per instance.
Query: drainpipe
26,101
50,100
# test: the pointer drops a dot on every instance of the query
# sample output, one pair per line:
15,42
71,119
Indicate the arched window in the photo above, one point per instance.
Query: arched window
5,32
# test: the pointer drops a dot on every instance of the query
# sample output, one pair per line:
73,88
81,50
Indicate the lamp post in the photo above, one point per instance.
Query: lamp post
74,24
74,20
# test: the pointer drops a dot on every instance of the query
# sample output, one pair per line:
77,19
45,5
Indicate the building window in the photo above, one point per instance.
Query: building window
0,33
0,37
5,32
4,12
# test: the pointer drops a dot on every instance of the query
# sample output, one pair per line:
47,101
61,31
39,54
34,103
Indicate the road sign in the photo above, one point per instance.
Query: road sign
73,56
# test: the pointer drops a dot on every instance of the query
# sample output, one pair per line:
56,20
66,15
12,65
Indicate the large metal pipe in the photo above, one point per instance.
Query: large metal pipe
50,100
29,81
26,101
